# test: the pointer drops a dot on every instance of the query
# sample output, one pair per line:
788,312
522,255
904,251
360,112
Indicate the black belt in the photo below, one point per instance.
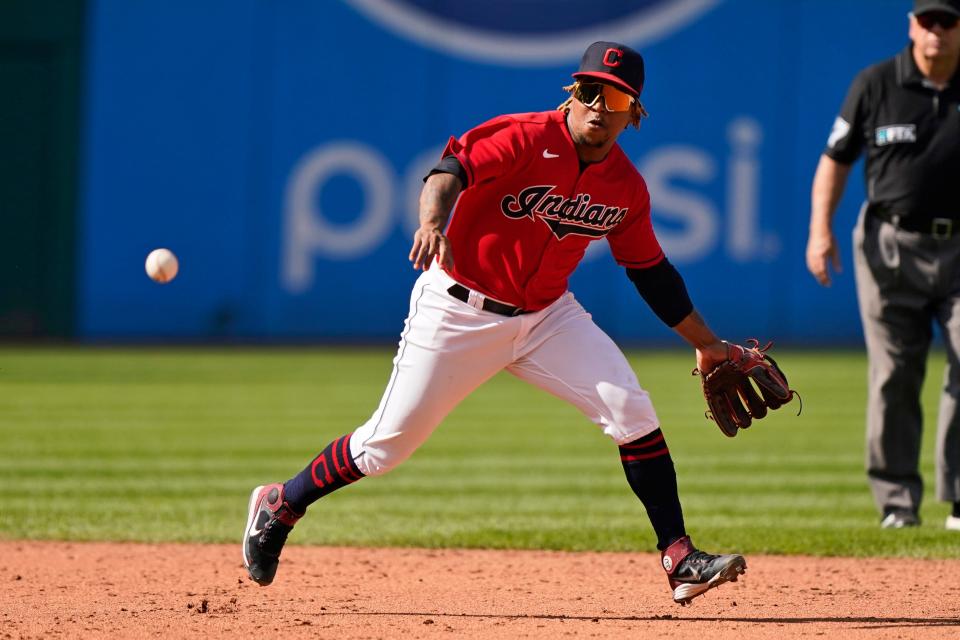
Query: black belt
461,293
939,228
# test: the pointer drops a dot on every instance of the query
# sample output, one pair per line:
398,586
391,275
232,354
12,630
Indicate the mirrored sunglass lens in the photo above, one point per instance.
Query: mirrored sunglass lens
613,99
616,100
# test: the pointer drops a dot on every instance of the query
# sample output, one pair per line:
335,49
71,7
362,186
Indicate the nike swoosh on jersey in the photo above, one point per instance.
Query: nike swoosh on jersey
548,155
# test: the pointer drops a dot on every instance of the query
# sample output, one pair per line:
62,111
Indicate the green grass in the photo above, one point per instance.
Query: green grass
164,444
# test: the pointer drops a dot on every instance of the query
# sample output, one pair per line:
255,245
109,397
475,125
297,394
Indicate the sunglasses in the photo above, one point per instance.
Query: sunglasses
613,98
931,19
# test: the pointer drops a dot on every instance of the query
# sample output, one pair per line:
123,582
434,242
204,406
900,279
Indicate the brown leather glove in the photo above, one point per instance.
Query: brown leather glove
731,388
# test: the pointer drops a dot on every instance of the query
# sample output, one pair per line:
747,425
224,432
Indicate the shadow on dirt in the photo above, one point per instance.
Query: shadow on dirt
867,622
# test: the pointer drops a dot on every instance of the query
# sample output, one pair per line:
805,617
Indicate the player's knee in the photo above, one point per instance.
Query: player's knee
627,416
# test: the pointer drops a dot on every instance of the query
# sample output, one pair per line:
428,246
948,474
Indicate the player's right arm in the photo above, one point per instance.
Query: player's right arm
439,194
823,252
481,154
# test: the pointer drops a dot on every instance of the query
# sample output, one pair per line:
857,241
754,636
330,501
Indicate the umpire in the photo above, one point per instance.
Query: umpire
905,113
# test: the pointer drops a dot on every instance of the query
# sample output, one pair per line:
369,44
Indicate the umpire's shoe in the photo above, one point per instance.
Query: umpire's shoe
692,572
269,520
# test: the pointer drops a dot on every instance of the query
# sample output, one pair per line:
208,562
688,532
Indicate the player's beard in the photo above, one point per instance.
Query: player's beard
596,141
597,145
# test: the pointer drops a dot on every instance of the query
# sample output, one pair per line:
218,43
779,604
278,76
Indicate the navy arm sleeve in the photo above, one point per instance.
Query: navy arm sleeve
662,287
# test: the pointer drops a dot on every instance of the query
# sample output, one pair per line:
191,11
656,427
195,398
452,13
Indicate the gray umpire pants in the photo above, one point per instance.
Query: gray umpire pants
907,281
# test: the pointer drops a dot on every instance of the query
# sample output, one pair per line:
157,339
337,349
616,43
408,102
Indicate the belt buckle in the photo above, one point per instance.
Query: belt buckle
475,299
942,228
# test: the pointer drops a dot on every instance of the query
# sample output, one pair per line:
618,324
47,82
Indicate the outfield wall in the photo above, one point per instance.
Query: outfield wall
278,147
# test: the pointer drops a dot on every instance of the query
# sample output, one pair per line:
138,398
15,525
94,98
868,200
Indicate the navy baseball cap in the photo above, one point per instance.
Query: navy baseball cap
947,6
614,63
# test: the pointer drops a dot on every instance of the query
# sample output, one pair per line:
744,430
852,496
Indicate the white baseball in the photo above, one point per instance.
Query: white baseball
162,265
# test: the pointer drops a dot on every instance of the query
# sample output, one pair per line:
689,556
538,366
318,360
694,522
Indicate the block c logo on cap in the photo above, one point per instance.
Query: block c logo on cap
613,57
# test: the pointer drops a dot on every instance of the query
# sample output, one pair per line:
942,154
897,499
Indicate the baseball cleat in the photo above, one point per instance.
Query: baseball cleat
692,572
900,520
269,521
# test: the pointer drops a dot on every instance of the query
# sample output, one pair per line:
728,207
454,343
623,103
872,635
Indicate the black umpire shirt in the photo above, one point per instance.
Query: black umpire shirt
911,132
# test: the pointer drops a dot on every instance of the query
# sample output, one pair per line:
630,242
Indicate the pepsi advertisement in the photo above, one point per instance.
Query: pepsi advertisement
278,149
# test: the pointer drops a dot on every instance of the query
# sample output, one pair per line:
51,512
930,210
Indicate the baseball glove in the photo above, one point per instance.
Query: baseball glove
731,388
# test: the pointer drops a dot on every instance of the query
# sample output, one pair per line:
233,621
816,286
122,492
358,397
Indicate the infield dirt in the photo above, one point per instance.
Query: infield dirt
101,590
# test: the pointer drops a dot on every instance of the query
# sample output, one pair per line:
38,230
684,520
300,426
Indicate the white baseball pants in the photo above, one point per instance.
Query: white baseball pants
449,348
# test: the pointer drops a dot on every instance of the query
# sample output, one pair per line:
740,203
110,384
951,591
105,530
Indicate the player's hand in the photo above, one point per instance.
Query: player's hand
822,253
711,355
429,242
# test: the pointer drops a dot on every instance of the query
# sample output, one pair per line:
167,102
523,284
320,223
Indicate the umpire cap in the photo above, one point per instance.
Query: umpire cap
948,6
614,63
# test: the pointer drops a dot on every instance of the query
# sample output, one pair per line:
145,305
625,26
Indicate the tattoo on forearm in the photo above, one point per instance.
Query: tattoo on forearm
438,197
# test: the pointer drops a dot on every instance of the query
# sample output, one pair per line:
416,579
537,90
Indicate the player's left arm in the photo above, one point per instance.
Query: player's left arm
635,246
663,289
711,350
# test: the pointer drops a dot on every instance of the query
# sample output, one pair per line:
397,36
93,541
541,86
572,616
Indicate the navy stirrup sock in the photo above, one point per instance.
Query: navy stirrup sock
650,473
329,471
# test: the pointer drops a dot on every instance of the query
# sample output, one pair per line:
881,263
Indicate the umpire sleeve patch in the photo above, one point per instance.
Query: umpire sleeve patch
841,128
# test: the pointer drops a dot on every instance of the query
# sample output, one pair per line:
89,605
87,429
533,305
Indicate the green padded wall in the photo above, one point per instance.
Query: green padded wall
40,68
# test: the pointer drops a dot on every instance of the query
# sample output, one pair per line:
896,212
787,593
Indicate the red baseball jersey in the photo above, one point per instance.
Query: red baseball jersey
524,222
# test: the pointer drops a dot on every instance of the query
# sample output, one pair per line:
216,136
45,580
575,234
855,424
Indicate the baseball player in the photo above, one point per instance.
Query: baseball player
535,189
